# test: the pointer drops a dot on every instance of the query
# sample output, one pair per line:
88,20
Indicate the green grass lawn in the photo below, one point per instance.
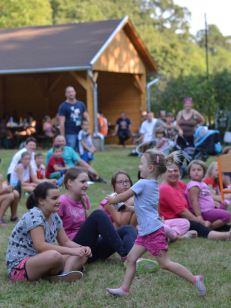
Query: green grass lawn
161,289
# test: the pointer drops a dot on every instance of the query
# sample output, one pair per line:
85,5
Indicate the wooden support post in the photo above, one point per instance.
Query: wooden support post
3,109
143,106
90,103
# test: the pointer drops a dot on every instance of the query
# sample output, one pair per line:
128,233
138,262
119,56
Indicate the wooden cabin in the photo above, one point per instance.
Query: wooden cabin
106,62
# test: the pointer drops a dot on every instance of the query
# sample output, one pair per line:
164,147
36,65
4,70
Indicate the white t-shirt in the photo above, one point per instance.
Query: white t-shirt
86,138
147,128
16,158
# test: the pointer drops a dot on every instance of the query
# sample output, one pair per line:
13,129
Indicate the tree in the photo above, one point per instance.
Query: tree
14,13
215,39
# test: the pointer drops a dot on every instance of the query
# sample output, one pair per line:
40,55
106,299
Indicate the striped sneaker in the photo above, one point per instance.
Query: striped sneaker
66,277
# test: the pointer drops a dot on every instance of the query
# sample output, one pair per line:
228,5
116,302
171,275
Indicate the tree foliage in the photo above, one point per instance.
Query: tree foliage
14,13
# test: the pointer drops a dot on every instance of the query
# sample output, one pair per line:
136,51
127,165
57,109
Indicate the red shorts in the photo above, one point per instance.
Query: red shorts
153,242
19,272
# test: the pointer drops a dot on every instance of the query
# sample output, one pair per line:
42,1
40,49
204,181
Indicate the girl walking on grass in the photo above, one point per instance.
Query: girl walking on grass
32,253
151,235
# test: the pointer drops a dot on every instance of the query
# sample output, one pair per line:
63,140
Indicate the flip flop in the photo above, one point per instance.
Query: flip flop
3,223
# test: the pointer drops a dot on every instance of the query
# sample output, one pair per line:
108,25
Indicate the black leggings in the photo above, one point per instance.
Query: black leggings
204,231
201,229
99,234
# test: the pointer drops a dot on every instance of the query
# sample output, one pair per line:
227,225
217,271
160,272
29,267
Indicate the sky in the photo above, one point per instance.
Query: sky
218,12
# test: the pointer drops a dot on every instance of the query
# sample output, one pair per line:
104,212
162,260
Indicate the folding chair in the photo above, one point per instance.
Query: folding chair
223,165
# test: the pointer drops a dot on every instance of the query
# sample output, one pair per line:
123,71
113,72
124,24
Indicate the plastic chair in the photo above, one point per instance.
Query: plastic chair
223,165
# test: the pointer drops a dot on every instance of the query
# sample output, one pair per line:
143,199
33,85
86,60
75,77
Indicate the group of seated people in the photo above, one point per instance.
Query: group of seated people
27,170
187,211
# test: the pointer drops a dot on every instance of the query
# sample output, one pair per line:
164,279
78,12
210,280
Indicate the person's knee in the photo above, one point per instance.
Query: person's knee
129,230
54,257
16,194
10,197
99,214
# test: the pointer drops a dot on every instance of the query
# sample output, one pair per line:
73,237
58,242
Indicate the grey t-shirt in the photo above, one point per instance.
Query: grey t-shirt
146,206
20,242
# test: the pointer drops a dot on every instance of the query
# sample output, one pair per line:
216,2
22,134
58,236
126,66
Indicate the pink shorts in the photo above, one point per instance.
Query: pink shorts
19,272
153,242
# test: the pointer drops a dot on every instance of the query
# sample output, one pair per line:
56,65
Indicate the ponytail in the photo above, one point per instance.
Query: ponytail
31,201
40,192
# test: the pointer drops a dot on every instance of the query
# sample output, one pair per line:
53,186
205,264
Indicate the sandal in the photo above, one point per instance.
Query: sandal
3,223
14,219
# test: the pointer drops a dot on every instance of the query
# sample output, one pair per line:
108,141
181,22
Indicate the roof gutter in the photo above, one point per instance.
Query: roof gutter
44,70
148,87
108,41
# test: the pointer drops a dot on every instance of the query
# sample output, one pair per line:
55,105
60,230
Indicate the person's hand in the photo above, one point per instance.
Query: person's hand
180,132
207,223
93,172
10,188
110,199
217,204
88,252
79,251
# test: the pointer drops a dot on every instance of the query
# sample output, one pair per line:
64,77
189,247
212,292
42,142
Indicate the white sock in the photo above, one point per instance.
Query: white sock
199,283
117,292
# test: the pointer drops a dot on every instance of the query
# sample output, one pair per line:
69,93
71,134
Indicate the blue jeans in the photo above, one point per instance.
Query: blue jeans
99,234
72,141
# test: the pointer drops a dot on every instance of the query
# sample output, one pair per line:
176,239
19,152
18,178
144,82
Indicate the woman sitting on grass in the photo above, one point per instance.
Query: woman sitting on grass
177,228
9,197
95,230
32,253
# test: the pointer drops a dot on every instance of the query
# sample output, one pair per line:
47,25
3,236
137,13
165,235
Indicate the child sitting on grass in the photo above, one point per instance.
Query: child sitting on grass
40,169
56,167
201,198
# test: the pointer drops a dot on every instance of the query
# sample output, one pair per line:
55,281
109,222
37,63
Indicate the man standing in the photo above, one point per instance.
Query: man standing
71,113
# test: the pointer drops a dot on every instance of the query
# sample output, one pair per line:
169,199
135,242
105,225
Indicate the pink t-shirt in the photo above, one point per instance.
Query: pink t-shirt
102,207
206,202
73,214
